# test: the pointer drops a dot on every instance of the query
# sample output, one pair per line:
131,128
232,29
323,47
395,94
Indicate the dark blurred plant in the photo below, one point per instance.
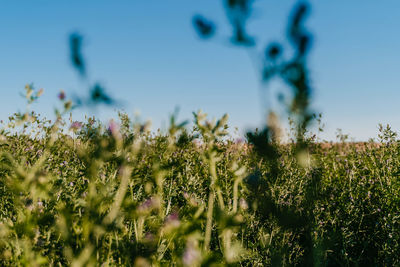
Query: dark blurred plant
293,72
97,93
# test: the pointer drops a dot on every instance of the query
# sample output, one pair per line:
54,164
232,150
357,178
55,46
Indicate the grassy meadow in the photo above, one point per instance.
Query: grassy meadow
118,195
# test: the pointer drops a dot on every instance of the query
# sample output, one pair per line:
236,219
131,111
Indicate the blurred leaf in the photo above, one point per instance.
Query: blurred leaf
98,95
75,43
273,51
205,28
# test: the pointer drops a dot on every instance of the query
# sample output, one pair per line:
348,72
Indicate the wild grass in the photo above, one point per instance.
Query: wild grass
119,195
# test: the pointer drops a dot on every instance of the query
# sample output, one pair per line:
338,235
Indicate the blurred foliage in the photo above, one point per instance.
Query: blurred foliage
121,195
97,93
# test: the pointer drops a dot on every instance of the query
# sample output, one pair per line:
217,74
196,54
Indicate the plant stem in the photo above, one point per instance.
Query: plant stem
210,208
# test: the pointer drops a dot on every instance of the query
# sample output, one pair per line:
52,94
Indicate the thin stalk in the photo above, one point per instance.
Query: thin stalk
214,179
235,194
210,209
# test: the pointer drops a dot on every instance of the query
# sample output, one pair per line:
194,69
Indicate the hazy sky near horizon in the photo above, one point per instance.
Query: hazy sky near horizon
147,54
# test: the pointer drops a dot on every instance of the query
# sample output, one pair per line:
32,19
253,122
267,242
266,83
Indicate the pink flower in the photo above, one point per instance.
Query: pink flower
148,205
192,255
61,95
76,125
113,127
172,220
239,141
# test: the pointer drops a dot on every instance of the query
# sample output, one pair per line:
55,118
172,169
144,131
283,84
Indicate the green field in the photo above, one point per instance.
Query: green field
119,195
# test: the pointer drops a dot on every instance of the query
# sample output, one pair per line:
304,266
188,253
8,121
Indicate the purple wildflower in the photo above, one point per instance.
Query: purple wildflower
76,125
113,127
148,205
191,256
61,95
172,220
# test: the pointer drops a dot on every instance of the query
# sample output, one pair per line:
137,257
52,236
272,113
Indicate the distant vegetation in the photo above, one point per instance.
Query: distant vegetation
119,195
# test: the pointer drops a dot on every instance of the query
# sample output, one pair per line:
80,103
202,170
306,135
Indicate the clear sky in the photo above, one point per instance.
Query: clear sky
148,54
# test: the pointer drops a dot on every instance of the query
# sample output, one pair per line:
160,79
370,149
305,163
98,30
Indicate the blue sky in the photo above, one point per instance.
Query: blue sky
147,54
